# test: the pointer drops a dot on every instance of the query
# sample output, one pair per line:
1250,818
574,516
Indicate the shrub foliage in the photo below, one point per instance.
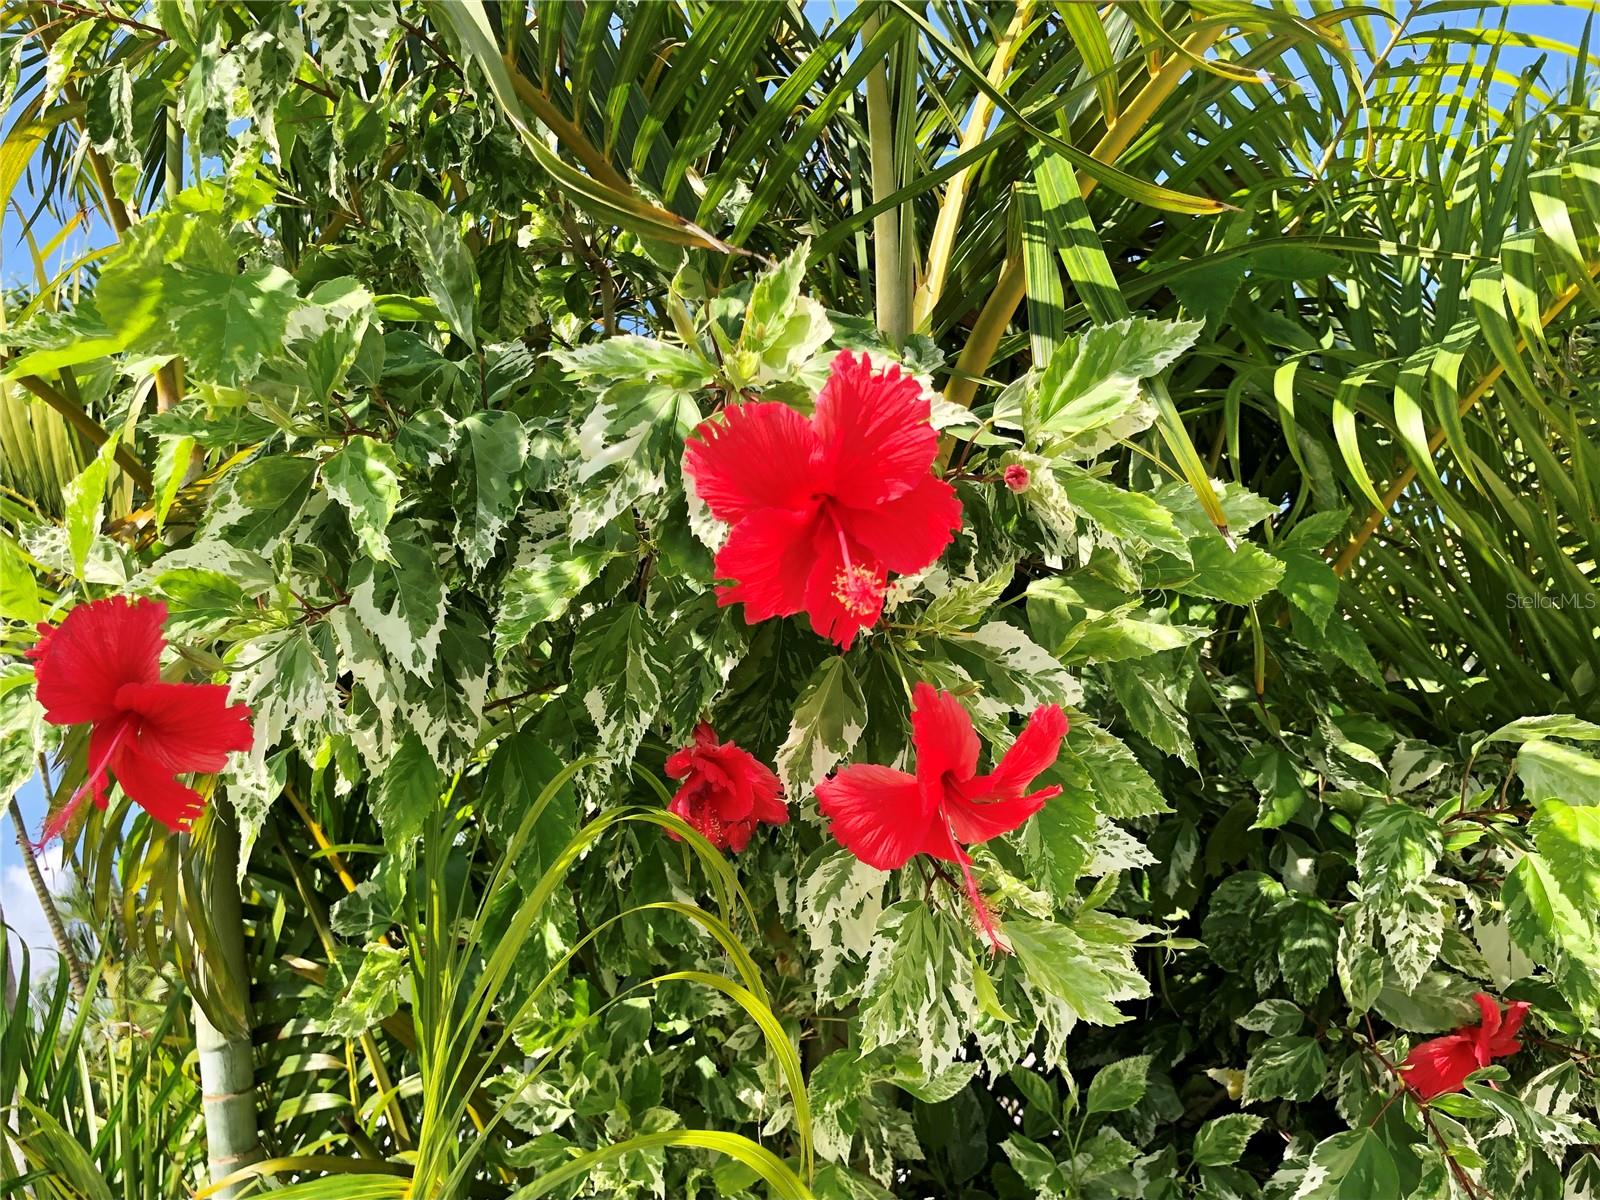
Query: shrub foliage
380,380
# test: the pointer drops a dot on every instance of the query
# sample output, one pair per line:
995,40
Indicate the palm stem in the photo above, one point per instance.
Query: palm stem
887,273
47,903
227,1059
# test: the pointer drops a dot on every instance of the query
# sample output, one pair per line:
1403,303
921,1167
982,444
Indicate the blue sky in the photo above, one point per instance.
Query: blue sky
1547,20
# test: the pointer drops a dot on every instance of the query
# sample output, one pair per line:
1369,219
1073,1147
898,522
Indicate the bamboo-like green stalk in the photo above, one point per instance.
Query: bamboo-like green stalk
227,1061
888,275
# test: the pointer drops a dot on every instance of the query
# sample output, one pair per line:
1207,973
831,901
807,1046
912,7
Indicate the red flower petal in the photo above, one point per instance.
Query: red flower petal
755,787
1488,1014
104,741
876,441
101,646
1505,1041
150,785
768,556
186,726
1036,749
947,745
725,791
769,807
842,598
876,813
760,455
907,533
974,821
1440,1065
1495,1035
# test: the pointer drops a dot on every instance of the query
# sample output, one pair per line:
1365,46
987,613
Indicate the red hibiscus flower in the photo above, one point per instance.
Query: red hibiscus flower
885,817
822,510
101,667
725,792
1442,1064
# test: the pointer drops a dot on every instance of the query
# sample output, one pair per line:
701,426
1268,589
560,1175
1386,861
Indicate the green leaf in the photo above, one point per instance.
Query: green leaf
1014,673
631,357
1060,839
782,328
401,602
1153,699
326,333
492,449
228,323
21,730
1569,841
1035,1165
1242,508
626,442
1092,380
200,599
1309,583
1532,729
1278,781
406,793
446,708
1396,845
1289,1067
85,499
966,601
1361,966
1242,921
508,290
172,464
1440,1001
1060,963
619,676
519,770
1547,927
257,503
905,1000
1307,947
1117,636
1118,1086
1276,1017
1355,1165
834,1182
1131,516
838,900
1221,1142
1340,641
988,998
19,592
1553,771
1241,575
1413,925
373,994
364,477
542,584
702,647
828,719
448,273
1102,765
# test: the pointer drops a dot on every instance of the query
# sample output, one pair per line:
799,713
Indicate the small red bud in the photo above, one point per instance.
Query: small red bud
1017,478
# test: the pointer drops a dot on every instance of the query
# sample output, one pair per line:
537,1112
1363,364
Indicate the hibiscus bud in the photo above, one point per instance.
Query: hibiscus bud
1017,478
